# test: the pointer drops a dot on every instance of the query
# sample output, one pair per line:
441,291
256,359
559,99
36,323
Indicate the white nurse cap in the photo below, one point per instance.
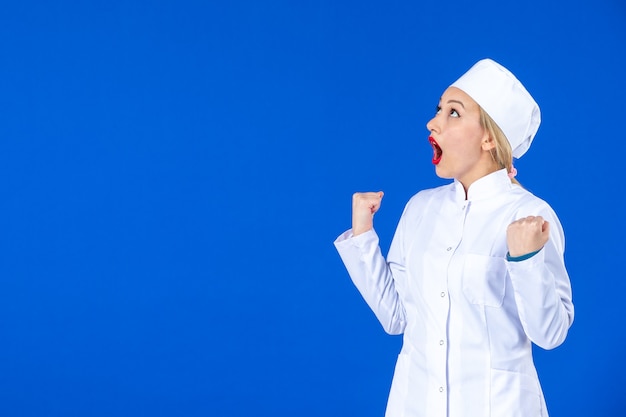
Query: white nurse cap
505,100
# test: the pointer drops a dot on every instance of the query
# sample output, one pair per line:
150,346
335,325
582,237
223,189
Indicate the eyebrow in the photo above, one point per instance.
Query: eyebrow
456,101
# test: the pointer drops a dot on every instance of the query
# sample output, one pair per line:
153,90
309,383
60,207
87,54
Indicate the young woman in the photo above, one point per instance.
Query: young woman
475,271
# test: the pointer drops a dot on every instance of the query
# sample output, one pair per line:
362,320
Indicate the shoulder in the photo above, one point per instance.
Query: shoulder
527,202
429,194
424,201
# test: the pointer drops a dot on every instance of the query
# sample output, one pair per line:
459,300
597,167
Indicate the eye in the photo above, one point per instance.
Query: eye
437,109
454,113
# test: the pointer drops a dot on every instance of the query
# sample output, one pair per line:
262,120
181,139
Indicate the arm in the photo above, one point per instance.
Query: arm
373,277
371,273
540,283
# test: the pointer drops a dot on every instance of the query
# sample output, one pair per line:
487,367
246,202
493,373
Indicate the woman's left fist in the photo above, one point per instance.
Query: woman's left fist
527,235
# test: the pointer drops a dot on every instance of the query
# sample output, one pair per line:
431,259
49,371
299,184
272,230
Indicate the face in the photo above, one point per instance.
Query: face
460,144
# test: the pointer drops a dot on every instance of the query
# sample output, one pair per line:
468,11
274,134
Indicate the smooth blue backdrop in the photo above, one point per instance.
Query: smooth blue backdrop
173,175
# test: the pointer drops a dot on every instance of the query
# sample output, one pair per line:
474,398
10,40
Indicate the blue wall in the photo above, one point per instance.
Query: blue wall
173,174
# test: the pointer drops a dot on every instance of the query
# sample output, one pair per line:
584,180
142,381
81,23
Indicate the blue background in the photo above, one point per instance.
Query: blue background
173,175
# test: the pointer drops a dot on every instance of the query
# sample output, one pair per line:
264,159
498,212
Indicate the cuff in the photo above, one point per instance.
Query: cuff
521,258
348,238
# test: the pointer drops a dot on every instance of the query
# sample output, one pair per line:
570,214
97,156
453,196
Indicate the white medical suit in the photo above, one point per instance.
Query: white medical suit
468,315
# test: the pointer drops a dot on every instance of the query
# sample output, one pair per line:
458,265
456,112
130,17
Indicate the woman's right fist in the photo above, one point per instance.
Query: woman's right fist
364,205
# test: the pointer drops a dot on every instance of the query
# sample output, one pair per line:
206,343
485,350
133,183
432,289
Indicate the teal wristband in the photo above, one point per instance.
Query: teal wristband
521,258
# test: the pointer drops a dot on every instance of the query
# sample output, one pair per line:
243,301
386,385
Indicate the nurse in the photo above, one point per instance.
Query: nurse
475,273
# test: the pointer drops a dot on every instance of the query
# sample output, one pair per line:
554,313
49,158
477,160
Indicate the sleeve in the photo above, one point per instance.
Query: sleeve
374,276
542,289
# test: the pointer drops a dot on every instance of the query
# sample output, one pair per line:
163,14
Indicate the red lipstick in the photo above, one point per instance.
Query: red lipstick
437,152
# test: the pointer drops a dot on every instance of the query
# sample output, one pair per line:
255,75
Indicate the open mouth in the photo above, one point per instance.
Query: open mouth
437,152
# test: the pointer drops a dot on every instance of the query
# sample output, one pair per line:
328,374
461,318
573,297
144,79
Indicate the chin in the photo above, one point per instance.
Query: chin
441,173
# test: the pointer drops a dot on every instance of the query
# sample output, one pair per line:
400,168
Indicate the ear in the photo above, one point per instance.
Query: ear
488,143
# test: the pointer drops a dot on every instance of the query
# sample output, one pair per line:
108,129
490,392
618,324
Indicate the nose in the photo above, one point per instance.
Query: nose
432,125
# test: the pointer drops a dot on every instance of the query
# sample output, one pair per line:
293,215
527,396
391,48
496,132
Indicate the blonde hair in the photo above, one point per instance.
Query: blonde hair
502,154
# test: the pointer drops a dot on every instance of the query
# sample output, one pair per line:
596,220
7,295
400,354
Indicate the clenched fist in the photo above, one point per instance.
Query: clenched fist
364,205
527,235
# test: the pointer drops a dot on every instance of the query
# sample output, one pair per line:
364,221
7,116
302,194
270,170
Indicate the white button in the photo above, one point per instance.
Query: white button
441,342
440,389
449,249
443,294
